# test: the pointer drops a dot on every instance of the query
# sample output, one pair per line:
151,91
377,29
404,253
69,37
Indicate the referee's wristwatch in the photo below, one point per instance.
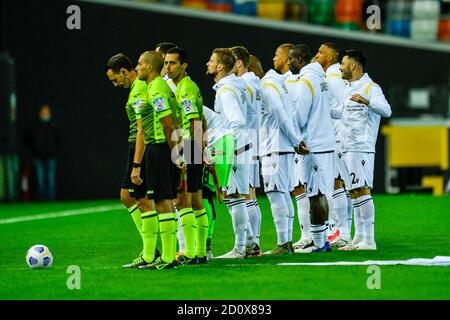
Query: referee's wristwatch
136,165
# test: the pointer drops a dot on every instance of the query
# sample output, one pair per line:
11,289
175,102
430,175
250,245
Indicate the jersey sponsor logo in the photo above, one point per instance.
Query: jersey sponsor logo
137,105
187,106
159,104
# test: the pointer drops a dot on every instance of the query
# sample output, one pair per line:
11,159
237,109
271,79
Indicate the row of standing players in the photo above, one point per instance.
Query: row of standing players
279,123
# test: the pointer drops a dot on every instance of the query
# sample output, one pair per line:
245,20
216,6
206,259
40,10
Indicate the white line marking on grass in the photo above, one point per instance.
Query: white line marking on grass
59,214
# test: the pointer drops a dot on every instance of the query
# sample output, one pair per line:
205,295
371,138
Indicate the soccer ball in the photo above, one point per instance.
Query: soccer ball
39,256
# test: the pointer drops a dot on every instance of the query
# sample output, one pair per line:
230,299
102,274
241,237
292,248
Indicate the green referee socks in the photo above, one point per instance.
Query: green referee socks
211,220
202,231
149,234
189,226
136,216
167,230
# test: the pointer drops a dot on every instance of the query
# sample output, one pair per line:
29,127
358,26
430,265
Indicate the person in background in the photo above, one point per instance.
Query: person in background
43,138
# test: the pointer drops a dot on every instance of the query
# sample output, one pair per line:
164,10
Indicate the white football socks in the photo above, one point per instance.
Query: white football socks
367,211
340,209
318,232
358,237
303,216
180,235
280,213
291,215
254,216
239,218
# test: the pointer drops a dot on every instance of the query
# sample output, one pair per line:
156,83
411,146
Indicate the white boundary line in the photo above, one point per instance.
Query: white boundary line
277,25
60,214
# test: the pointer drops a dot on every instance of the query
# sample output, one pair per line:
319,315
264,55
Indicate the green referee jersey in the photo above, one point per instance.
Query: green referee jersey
189,106
136,98
161,102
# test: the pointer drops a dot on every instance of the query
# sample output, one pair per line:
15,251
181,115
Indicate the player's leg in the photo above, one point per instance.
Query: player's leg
360,167
236,191
276,184
201,217
340,208
319,183
188,226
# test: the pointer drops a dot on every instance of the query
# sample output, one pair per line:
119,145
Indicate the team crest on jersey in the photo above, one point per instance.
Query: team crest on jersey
159,104
187,105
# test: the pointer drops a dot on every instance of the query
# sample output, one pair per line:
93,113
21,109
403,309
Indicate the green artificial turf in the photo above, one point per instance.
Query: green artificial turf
407,226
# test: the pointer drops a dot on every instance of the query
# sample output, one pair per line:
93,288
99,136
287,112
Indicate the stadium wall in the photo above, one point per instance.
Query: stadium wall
66,68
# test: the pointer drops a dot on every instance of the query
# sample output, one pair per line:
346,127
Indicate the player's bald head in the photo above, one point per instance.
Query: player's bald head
154,58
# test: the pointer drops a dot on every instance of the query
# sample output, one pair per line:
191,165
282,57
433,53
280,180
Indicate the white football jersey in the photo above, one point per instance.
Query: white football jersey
336,87
360,123
278,132
312,109
231,104
254,109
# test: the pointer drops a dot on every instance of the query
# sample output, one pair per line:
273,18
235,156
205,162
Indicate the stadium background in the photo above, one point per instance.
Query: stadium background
66,69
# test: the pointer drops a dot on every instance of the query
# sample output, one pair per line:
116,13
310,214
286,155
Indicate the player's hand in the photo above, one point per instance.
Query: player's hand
359,99
136,176
181,164
302,149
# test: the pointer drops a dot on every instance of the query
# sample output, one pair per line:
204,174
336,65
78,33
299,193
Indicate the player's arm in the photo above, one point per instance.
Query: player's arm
378,102
232,112
277,109
138,153
303,103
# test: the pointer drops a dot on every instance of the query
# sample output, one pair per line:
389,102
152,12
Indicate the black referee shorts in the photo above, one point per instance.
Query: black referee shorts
194,158
162,174
136,191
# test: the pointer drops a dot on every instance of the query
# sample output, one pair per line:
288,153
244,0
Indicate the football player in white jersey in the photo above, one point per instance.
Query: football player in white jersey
299,56
255,66
231,102
253,92
328,57
312,113
278,138
363,106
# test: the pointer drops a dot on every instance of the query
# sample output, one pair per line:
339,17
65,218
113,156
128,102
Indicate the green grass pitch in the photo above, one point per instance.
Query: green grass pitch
407,226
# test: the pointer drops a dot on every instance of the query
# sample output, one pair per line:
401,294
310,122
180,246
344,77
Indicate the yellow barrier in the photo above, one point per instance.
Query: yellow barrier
417,146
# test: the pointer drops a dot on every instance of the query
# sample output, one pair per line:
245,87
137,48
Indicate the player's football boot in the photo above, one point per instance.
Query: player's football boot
328,246
136,263
311,248
233,254
253,251
336,234
203,260
159,264
301,243
339,243
366,246
352,245
184,260
280,249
